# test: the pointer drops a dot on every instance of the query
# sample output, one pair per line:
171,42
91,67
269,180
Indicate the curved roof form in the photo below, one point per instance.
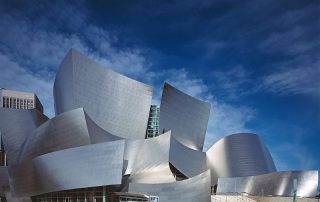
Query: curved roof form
79,167
188,161
116,103
149,160
67,130
186,117
15,126
238,155
272,184
193,189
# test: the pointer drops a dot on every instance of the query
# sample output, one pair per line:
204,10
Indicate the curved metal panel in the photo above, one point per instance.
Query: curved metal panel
97,134
275,184
188,161
15,126
80,167
117,104
148,160
197,188
67,130
239,155
185,116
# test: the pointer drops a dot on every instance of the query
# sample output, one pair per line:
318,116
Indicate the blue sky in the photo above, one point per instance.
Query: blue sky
257,62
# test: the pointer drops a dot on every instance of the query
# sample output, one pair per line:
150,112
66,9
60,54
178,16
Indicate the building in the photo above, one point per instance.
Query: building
95,149
16,100
153,122
19,100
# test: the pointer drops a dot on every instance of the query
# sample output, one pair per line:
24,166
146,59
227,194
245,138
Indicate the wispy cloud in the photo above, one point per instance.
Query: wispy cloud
225,118
40,50
298,76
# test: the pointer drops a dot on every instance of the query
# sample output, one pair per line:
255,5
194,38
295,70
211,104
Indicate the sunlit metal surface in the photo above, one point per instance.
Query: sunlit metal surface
239,155
185,116
116,103
188,161
79,167
274,184
149,159
70,129
15,125
190,190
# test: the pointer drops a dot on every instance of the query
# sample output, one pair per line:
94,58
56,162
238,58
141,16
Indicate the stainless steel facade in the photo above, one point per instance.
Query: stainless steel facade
116,103
274,184
97,139
239,155
186,116
79,167
15,125
190,190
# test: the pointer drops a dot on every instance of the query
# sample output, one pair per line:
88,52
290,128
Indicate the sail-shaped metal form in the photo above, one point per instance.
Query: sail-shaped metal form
273,184
238,155
15,126
186,116
193,189
96,140
116,103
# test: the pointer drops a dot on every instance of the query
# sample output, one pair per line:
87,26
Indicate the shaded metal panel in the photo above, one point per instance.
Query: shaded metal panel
275,184
67,130
97,134
197,188
148,160
188,161
63,86
80,167
15,126
116,103
239,155
185,116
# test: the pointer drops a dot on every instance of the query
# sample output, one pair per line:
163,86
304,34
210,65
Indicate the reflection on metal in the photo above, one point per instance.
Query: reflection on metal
239,155
185,116
97,141
15,125
193,189
70,129
273,184
79,167
116,103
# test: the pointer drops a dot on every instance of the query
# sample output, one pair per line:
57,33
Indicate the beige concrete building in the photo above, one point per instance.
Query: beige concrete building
19,100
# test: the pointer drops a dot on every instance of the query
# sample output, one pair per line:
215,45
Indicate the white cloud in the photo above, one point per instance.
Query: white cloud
298,76
36,52
19,78
225,119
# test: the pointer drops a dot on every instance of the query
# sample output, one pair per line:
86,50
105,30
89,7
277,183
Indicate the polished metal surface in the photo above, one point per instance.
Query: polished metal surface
79,167
185,116
238,155
188,161
97,139
70,129
15,125
190,190
148,160
272,184
117,104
